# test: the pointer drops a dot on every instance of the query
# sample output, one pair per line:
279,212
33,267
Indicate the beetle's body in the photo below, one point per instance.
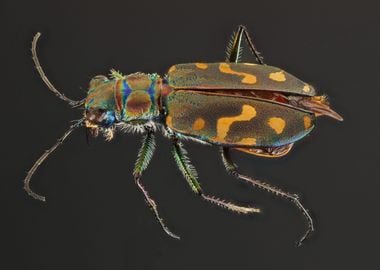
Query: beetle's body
192,102
254,108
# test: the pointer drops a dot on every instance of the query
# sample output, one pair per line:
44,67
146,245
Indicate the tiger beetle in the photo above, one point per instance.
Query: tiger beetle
249,107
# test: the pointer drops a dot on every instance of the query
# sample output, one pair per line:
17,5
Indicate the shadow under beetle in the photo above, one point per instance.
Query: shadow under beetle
249,107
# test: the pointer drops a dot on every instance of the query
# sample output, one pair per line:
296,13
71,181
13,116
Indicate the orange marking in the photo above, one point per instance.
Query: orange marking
307,122
306,88
199,124
247,141
223,125
277,124
169,121
277,76
248,78
172,69
201,65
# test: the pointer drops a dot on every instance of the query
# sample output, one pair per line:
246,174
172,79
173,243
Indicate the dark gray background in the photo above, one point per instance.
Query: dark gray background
95,218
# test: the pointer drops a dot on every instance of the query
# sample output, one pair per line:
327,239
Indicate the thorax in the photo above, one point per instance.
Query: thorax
137,97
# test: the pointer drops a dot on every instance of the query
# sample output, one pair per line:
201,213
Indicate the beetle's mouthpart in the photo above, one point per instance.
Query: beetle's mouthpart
92,130
320,106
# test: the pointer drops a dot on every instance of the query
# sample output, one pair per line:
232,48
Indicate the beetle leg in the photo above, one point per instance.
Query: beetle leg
144,156
232,169
190,174
117,75
234,48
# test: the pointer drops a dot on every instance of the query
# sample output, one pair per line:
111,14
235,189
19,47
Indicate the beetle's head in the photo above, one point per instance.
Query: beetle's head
99,105
99,118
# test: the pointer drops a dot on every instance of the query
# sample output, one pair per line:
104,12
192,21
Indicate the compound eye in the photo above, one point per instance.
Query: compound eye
98,80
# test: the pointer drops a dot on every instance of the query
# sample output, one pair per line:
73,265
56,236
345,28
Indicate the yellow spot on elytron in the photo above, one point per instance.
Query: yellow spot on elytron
306,88
307,122
169,121
201,65
277,124
199,124
248,78
223,125
277,76
172,69
247,141
250,64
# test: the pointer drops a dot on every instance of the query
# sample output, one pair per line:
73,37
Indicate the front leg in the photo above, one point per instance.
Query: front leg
190,174
144,156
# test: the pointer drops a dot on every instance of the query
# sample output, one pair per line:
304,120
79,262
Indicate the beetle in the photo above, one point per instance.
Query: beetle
254,108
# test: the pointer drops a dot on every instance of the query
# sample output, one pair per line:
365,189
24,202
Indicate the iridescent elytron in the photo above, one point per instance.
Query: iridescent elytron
253,108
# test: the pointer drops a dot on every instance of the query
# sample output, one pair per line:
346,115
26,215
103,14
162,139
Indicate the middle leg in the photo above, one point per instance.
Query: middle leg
190,174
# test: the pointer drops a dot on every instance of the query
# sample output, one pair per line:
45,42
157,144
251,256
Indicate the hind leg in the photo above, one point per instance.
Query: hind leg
234,48
232,169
